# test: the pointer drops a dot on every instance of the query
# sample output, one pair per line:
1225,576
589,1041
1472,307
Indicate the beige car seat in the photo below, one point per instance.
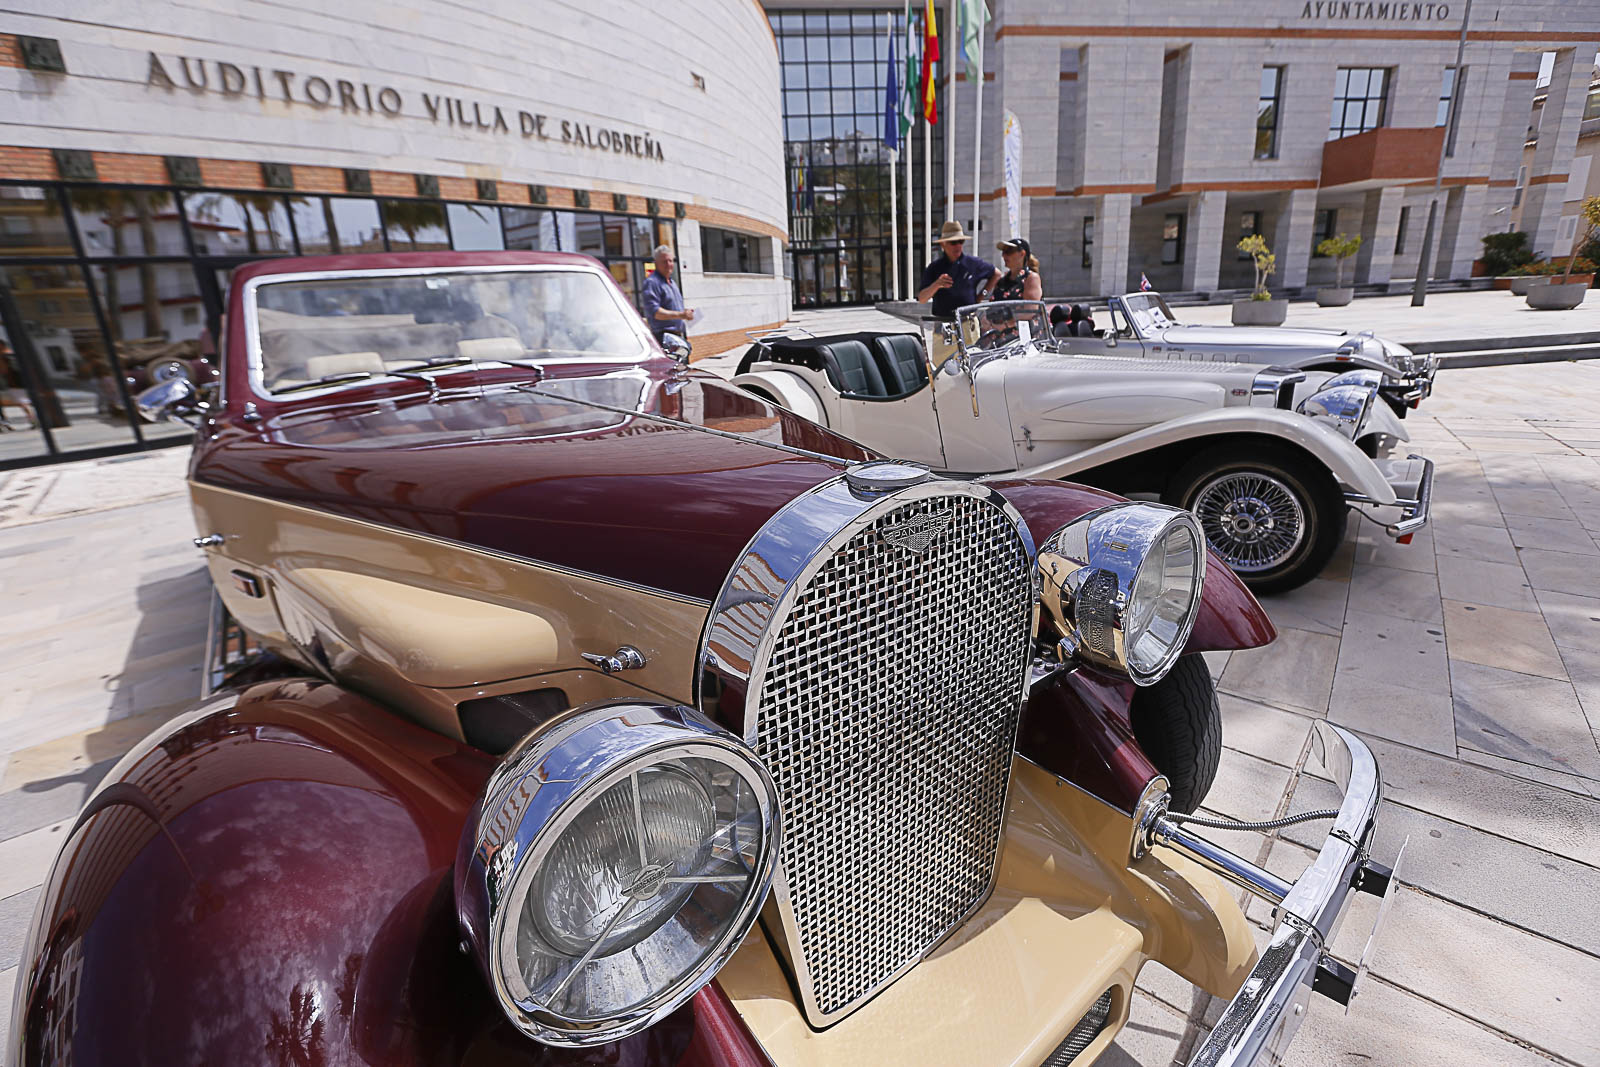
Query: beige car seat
491,348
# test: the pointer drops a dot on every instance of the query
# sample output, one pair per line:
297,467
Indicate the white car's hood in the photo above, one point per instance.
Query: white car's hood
1265,336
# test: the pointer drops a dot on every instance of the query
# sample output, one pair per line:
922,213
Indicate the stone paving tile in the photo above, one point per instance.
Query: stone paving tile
1475,541
1386,650
1151,1036
1405,594
1246,787
1416,717
1564,572
40,803
1502,585
1317,606
1532,720
1574,621
1572,783
1555,535
1499,637
1376,547
16,912
1537,503
25,858
1263,731
1296,670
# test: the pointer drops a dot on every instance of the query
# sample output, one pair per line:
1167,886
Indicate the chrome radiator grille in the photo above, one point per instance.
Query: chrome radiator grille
887,714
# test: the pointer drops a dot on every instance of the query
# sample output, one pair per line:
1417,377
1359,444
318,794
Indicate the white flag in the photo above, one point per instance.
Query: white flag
1013,150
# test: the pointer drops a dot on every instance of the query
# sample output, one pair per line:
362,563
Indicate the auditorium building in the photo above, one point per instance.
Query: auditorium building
148,150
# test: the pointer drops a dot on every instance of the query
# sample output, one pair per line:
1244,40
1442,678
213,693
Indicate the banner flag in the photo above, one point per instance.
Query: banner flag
930,56
891,103
971,17
1013,157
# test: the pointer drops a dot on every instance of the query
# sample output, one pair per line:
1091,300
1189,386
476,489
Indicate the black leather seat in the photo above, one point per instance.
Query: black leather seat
856,370
1083,321
901,362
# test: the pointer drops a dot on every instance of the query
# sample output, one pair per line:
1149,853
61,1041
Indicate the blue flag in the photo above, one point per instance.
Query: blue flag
891,104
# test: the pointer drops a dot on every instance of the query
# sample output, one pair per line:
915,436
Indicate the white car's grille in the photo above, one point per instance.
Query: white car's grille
887,714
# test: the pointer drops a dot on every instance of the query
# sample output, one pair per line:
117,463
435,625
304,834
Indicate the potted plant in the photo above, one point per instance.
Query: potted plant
1340,248
1503,254
1259,308
1568,293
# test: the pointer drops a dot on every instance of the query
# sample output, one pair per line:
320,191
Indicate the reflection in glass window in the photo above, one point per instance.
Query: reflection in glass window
1360,101
1268,107
158,330
588,236
415,225
127,222
335,225
475,228
530,229
31,223
63,368
729,251
231,224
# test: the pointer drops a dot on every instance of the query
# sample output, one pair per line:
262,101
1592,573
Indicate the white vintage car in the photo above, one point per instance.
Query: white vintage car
1269,459
1143,325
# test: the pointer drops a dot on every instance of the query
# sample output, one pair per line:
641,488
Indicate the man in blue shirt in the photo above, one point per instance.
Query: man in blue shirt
664,312
955,280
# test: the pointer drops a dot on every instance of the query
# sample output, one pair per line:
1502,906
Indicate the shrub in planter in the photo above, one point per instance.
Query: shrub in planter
1340,248
1260,309
1504,251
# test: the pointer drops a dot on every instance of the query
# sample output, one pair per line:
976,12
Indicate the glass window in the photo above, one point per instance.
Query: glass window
1088,241
1522,180
530,229
157,322
127,222
61,375
1323,228
731,252
588,236
475,228
31,223
1450,90
1400,231
1268,107
1249,223
234,224
335,225
415,225
1591,103
1172,239
1360,101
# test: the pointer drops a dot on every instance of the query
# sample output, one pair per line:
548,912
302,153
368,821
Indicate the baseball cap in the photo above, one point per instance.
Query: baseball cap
1014,244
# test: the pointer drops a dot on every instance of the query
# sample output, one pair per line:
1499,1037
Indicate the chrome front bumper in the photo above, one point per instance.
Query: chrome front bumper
1411,391
1412,481
1262,1018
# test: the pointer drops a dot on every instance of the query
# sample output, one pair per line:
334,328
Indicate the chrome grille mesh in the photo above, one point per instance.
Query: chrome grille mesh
887,715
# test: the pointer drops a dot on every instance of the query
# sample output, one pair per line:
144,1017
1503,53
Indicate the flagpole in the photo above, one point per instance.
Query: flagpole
927,189
951,29
977,146
911,239
894,208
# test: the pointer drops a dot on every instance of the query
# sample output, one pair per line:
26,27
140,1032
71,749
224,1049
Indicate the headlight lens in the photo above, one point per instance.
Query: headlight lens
615,864
1344,407
1120,587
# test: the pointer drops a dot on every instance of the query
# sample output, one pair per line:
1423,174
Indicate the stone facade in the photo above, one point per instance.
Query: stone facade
676,106
1132,113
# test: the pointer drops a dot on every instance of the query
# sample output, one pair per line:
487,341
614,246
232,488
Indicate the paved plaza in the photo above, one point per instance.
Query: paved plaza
1468,659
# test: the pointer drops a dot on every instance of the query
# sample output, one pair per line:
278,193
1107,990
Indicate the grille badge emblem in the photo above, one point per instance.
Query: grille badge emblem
916,534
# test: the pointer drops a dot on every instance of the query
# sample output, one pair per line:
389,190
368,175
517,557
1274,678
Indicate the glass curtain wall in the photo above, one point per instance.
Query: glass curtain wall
101,284
834,66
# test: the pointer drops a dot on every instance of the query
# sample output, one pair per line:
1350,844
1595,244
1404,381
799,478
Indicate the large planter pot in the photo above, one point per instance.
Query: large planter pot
1335,296
1555,297
1260,312
1504,281
1522,283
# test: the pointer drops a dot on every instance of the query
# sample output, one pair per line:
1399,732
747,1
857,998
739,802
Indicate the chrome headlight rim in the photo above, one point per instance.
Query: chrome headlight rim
1088,578
168,369
574,762
1344,407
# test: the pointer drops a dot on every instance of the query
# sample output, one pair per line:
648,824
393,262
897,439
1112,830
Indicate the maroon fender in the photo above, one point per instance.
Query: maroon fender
1230,617
267,882
1076,726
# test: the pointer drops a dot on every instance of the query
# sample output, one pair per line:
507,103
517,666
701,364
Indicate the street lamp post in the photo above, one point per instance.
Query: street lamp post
1419,288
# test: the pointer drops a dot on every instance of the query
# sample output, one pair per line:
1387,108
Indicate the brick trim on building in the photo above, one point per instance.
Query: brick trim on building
10,51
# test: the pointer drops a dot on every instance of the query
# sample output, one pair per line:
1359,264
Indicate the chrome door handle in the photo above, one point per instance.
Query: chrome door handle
209,541
626,658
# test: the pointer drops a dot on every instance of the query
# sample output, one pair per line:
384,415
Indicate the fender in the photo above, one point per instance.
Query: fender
1347,462
267,879
789,390
1382,419
1343,361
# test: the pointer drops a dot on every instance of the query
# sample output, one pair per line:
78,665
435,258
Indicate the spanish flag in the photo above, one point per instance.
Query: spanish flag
930,55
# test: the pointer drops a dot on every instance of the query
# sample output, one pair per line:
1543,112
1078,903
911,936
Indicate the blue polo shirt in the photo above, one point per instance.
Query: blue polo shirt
967,273
657,292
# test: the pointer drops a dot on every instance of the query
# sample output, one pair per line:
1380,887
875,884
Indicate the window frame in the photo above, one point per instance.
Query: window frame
1338,126
1271,152
1176,220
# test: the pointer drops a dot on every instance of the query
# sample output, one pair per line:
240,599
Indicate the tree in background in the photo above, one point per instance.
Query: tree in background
1255,246
1504,252
1340,248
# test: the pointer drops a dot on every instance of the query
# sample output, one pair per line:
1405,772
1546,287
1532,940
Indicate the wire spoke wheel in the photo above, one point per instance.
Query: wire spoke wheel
1253,520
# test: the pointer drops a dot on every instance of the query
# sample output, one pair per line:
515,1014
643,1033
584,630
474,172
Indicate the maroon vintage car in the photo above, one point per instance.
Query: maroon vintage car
572,706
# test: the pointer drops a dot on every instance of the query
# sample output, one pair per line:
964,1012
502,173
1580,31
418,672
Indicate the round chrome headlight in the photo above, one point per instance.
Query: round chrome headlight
617,860
1362,378
1120,587
1343,407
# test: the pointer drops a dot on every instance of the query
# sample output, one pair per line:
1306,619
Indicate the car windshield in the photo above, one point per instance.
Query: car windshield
992,326
333,331
1149,312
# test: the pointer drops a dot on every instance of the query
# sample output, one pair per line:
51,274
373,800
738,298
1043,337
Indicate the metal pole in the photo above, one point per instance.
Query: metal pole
927,187
952,33
977,148
1419,288
894,207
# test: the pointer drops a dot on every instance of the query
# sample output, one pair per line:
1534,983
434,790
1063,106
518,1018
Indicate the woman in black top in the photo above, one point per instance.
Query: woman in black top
1021,279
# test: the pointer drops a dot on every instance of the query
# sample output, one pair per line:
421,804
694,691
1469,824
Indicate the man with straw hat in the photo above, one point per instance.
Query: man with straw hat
953,281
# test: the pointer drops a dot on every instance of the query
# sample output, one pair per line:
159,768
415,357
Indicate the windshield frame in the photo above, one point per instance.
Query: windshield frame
978,357
252,323
1154,298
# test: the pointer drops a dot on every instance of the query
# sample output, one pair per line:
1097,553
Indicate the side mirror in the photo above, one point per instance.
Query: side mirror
676,346
1111,338
174,398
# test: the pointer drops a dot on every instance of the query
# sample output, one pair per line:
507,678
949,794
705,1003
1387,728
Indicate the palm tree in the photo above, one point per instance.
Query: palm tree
412,216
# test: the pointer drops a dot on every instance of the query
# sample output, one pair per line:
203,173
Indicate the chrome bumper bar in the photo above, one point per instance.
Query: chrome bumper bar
1260,1022
1413,510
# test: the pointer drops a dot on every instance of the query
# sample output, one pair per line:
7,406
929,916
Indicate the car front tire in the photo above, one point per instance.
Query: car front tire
1273,515
1178,724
